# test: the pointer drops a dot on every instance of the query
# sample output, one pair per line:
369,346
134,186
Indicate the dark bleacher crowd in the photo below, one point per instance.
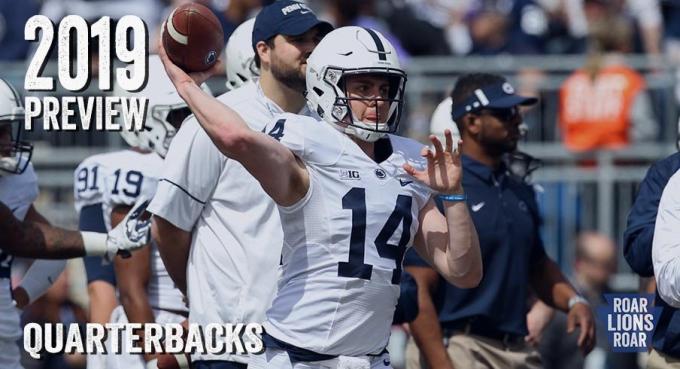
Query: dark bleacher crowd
417,27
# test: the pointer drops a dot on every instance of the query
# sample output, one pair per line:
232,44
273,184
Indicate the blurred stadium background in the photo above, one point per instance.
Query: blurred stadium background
537,44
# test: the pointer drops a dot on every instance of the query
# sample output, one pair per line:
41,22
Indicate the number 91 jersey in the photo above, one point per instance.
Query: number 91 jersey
116,178
344,241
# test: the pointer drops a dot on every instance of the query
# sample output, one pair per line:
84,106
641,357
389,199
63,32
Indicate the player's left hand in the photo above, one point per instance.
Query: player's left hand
132,233
581,316
444,172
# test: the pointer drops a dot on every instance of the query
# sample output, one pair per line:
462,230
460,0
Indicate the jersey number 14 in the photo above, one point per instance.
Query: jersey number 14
355,200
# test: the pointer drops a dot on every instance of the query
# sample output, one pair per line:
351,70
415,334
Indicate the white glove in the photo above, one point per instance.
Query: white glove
130,234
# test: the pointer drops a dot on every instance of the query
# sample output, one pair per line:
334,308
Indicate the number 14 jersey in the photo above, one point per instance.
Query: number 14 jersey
344,241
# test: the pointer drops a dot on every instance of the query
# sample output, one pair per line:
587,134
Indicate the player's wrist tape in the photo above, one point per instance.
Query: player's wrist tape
94,243
182,361
40,276
152,364
454,197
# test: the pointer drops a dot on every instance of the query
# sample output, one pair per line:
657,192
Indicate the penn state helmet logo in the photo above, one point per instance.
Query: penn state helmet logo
211,57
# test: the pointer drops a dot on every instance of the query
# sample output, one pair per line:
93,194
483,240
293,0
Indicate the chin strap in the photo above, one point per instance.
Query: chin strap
364,134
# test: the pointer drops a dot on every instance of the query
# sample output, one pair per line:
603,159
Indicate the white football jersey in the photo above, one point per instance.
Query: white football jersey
119,178
115,178
130,174
18,192
88,180
234,260
344,241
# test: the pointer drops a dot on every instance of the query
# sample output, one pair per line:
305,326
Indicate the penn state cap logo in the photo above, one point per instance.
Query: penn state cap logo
380,173
211,57
507,88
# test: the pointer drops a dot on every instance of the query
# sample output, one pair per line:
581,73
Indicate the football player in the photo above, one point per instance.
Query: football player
352,197
240,63
106,185
211,209
18,190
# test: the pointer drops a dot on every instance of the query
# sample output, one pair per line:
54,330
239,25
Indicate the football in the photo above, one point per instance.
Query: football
193,37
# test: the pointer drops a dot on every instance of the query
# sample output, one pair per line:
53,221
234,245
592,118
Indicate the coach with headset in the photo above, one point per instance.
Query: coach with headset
486,326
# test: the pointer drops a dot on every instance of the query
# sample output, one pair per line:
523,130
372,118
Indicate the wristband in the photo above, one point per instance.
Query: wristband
577,300
453,198
182,361
94,243
40,276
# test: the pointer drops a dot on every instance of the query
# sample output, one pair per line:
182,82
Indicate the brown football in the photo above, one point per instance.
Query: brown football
193,37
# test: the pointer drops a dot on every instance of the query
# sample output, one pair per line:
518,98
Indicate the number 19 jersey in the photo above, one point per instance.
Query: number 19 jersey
344,241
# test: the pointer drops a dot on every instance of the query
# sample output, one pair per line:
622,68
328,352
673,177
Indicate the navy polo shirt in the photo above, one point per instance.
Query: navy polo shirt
637,248
505,214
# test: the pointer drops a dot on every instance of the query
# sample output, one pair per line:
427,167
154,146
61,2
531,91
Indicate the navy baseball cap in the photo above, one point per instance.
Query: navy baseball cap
495,96
286,17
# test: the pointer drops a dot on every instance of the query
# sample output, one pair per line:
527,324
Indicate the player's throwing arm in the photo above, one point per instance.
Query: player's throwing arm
450,243
272,164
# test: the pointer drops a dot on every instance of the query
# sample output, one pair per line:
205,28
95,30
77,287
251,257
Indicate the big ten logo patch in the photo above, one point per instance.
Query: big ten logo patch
346,174
630,320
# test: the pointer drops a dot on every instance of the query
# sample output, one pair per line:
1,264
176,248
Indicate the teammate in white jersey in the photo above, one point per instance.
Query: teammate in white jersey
215,223
352,198
106,186
18,190
35,238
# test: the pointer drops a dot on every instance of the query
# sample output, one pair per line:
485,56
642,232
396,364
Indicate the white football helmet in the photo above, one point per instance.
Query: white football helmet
349,51
165,112
441,120
14,153
240,63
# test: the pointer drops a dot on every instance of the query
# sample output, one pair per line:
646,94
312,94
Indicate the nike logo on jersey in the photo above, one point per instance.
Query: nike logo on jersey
404,182
477,207
14,211
346,54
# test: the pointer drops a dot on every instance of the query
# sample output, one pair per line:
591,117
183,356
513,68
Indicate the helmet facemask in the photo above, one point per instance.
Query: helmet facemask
341,113
15,154
236,79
